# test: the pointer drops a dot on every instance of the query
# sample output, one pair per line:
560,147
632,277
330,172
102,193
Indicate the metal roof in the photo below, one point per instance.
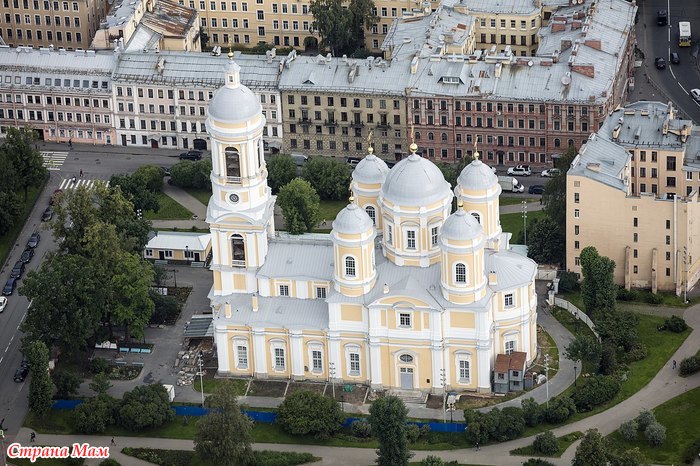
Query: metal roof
601,160
511,7
299,257
290,313
178,240
200,326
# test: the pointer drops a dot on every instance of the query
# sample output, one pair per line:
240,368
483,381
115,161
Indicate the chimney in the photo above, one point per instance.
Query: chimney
558,26
254,299
594,167
593,43
586,70
386,289
414,65
493,281
576,24
227,310
121,44
116,44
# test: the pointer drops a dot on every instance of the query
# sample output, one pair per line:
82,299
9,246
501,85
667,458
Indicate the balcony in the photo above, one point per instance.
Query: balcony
357,124
304,121
237,263
383,125
233,179
330,123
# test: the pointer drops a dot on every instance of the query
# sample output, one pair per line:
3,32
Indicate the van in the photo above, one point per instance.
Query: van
300,159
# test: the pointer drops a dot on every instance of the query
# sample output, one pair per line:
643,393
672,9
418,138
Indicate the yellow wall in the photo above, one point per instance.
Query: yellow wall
462,319
351,312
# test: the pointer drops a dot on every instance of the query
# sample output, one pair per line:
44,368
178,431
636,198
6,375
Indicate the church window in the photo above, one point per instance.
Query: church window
279,359
434,236
350,269
464,373
284,290
233,164
238,250
371,211
411,239
353,360
510,346
241,354
476,216
461,273
321,292
405,319
389,234
508,300
407,358
316,361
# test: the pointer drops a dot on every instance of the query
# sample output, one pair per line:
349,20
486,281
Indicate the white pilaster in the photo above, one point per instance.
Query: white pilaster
438,364
223,350
375,353
335,354
483,355
260,352
296,353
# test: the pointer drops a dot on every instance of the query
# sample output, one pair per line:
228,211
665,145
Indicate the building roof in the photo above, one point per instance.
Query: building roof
370,170
352,220
170,18
602,160
477,176
517,360
502,363
415,181
289,313
177,240
510,7
307,257
200,326
461,226
512,270
641,124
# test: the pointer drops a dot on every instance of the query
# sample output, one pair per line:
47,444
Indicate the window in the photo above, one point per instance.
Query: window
508,300
476,216
354,362
434,236
350,266
411,239
577,213
404,319
316,361
389,234
238,251
321,292
406,358
284,290
461,273
372,213
463,368
233,163
510,346
279,359
576,198
241,356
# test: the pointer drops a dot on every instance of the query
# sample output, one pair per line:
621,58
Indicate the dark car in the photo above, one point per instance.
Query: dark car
17,270
27,255
675,58
353,161
21,373
191,155
536,189
662,17
47,215
660,63
33,240
25,362
10,286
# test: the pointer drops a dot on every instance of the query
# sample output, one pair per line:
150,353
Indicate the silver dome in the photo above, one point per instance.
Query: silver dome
415,181
352,220
370,170
477,176
234,102
461,226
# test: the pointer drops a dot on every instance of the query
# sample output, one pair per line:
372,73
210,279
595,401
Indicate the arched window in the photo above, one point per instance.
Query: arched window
417,136
476,216
407,358
461,273
238,249
431,136
443,136
350,269
371,211
557,143
571,142
233,162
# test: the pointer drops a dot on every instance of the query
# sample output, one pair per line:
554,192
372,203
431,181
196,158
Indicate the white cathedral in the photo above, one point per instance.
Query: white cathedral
403,294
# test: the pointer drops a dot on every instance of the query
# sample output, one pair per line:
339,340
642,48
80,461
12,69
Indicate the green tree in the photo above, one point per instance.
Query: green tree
633,457
592,451
328,177
584,348
100,384
19,148
545,241
66,383
387,416
655,434
449,172
334,24
618,328
281,169
306,412
224,436
40,387
145,406
151,176
598,289
188,174
546,443
131,305
629,430
363,18
533,412
134,188
10,208
509,422
300,206
95,414
554,197
66,300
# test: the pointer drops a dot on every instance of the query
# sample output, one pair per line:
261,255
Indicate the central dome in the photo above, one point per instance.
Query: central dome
415,181
234,103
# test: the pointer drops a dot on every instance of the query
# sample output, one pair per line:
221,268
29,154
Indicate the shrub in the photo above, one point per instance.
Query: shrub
645,418
361,429
655,434
690,366
675,324
533,412
94,415
595,391
608,360
546,443
651,298
67,383
568,282
623,294
412,433
281,458
560,409
636,352
145,406
510,425
110,462
628,430
691,452
306,412
431,460
98,365
537,462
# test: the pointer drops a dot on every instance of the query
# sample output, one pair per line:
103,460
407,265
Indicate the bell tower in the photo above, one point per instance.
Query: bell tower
240,211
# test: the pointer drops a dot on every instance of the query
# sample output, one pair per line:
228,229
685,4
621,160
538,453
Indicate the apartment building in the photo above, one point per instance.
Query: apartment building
161,99
64,95
330,106
43,23
632,192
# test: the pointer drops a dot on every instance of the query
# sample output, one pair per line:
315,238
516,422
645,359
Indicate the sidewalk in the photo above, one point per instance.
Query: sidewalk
124,150
518,208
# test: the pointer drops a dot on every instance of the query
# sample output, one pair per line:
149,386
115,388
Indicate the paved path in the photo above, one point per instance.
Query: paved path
518,208
188,201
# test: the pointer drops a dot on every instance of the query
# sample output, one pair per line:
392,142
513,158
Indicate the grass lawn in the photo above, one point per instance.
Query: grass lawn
669,299
44,462
211,384
564,442
202,195
329,209
169,210
513,223
512,200
8,239
681,417
191,458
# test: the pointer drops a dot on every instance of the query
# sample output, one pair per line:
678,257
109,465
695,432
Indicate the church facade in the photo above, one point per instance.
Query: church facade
403,293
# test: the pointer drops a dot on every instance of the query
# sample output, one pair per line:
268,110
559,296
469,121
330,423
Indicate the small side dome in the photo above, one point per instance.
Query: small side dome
370,170
477,176
461,226
234,102
352,220
415,181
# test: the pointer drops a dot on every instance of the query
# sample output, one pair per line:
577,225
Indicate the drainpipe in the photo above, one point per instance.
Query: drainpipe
675,244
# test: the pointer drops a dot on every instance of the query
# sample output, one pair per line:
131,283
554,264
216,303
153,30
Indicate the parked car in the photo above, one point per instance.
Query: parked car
33,240
353,161
21,373
191,155
660,63
536,189
520,170
55,197
675,58
10,286
3,303
550,172
47,215
662,17
695,94
27,255
24,362
17,270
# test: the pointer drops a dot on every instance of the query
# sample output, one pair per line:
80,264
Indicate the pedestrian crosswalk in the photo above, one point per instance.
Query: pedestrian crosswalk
69,183
54,160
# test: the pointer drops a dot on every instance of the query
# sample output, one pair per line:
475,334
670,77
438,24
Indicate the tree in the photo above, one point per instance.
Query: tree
306,412
554,197
560,409
592,451
598,289
66,383
628,430
545,241
334,25
151,176
449,172
633,457
363,17
20,150
145,406
546,443
300,206
40,388
95,414
281,169
100,384
10,207
655,434
533,412
595,391
608,359
188,174
618,328
131,304
328,177
584,348
135,190
644,419
223,436
387,416
510,424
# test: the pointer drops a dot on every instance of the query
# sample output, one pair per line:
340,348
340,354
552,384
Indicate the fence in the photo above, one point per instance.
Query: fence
577,313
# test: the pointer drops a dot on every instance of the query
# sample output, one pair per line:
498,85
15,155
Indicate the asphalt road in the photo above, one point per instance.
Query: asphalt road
675,81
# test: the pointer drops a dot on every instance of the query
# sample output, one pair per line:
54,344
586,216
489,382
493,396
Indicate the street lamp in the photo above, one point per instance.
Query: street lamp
443,380
187,254
575,374
201,376
174,271
524,203
331,372
546,372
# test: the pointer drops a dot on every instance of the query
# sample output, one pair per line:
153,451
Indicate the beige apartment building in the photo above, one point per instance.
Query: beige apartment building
44,23
632,192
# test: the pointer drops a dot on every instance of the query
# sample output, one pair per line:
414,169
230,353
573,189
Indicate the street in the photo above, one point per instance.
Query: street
676,81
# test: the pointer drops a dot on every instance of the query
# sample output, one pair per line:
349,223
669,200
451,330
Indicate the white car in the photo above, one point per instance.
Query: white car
551,172
3,303
520,170
695,94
